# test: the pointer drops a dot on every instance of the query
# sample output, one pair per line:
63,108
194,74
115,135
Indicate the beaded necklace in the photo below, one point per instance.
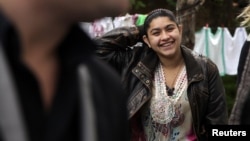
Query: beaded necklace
162,106
170,91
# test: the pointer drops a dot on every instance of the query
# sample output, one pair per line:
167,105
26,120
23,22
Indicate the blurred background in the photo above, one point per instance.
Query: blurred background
213,12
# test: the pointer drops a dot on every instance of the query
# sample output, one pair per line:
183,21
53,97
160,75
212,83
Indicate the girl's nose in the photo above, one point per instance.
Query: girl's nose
165,35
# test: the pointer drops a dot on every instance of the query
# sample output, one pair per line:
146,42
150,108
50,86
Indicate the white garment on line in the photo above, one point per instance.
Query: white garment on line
232,48
127,20
99,27
215,48
200,40
222,48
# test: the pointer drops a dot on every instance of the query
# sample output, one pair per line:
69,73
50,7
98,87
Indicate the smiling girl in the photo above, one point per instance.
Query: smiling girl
174,93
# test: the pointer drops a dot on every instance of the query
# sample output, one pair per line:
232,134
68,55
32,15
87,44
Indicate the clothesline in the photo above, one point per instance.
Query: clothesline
221,46
101,26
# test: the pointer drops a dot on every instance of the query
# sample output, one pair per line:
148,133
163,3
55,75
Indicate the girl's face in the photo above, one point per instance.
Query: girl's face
164,36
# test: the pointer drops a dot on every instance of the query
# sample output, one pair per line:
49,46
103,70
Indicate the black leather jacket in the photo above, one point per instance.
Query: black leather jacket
206,92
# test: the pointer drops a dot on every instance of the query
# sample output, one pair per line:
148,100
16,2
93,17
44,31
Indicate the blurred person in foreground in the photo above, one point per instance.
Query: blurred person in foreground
240,111
174,93
52,87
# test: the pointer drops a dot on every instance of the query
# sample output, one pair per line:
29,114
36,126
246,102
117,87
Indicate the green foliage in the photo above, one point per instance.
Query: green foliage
230,87
137,4
171,2
218,1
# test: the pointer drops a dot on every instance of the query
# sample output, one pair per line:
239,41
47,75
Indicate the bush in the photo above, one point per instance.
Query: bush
230,87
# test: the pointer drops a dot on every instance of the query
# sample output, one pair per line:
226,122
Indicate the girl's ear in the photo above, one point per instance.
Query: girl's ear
180,28
145,39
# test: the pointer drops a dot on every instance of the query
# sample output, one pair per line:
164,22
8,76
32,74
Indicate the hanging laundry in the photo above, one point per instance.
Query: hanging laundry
98,27
222,48
200,42
232,48
140,19
214,47
127,20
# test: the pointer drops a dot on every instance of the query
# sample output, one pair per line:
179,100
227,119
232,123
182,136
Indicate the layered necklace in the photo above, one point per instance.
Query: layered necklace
170,91
162,104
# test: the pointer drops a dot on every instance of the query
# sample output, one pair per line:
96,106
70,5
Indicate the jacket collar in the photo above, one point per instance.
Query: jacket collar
144,70
193,67
151,60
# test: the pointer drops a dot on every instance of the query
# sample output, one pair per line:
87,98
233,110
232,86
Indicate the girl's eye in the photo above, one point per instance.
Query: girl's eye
155,33
170,29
